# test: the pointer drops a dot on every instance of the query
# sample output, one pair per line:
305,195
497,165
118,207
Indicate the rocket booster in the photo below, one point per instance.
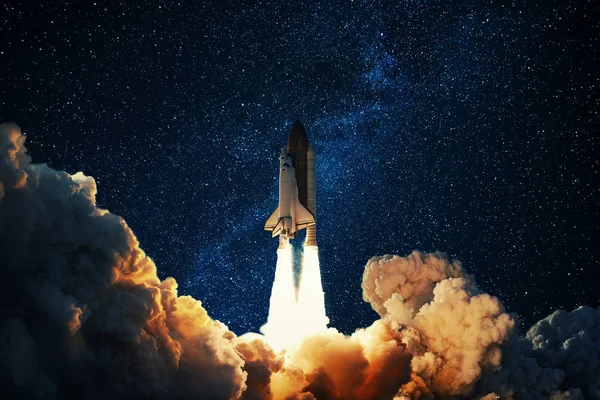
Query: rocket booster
297,190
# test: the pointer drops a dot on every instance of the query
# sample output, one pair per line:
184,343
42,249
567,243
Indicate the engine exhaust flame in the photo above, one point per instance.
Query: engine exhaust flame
292,318
311,299
280,330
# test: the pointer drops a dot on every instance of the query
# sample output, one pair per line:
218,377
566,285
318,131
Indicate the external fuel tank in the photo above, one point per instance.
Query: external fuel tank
297,148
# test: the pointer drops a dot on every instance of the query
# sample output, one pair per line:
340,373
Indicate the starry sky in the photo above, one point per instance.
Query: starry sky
465,127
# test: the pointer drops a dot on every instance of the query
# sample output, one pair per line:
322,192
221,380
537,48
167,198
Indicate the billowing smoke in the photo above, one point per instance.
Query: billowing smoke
370,364
558,358
454,331
570,342
398,287
84,315
464,344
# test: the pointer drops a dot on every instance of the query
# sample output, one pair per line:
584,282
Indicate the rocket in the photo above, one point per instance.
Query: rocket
297,190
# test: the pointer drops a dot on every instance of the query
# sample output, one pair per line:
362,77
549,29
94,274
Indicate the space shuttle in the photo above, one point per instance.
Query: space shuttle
297,190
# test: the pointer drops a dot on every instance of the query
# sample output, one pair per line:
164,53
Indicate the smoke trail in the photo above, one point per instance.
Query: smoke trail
281,329
311,299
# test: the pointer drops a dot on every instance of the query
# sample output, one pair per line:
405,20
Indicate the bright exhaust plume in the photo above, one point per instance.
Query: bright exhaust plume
281,327
311,299
292,318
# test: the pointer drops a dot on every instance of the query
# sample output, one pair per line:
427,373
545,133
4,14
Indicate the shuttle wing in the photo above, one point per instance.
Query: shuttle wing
304,217
272,221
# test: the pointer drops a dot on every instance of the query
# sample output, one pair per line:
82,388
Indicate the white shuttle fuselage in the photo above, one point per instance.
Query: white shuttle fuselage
291,215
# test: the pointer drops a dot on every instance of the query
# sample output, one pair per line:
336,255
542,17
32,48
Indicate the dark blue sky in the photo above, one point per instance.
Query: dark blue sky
465,127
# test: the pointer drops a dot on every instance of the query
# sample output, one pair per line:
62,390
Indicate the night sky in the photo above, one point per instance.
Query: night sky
471,128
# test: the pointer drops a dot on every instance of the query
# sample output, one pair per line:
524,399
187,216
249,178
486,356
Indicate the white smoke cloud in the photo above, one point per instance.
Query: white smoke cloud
465,344
454,331
397,287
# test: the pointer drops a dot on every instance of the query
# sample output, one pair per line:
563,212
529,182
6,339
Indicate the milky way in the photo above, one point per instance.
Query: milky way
469,128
